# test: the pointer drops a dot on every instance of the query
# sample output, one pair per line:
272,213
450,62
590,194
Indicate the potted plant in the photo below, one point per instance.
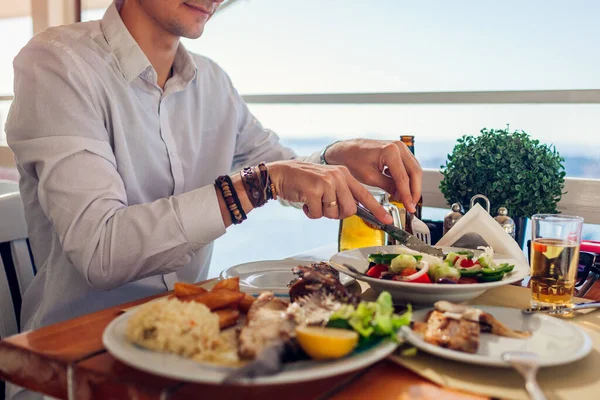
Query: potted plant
510,168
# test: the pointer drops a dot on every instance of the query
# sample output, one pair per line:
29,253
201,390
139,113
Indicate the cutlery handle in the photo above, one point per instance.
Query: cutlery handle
580,306
534,390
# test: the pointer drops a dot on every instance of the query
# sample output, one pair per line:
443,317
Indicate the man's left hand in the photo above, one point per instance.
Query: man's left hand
366,159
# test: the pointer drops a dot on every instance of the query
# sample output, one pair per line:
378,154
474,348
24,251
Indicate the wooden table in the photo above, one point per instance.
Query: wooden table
67,361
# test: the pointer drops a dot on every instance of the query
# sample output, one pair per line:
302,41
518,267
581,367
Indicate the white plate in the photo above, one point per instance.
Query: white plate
172,366
272,276
419,293
555,341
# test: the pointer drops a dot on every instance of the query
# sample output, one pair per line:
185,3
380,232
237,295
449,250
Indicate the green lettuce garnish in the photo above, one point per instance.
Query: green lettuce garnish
372,318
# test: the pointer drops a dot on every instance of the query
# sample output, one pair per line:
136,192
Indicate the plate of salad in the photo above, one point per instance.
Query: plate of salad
461,275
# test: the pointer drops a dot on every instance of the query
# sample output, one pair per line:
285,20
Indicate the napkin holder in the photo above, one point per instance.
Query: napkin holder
478,228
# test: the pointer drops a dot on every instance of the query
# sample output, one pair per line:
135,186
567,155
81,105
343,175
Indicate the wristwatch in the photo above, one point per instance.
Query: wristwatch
322,159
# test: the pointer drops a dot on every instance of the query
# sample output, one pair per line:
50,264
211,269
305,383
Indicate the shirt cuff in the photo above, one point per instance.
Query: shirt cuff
314,158
200,216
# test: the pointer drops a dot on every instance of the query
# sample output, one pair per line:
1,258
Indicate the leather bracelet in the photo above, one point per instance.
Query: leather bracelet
252,184
225,185
269,187
265,180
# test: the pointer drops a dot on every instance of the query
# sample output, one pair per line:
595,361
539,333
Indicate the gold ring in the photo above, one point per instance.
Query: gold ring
330,204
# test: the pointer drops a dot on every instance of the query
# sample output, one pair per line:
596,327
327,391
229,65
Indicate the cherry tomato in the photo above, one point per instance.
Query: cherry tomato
408,271
423,279
464,279
376,270
466,263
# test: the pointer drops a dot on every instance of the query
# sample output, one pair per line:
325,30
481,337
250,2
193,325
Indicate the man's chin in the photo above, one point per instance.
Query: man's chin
193,33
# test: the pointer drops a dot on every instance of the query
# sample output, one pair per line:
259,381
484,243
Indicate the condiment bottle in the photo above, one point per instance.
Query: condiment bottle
452,217
409,141
507,223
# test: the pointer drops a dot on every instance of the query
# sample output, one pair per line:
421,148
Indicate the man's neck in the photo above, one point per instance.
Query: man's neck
158,45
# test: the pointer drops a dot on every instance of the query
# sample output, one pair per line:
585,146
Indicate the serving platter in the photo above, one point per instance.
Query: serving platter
419,293
271,275
172,366
554,340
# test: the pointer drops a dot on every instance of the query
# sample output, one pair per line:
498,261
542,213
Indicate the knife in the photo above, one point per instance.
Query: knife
403,237
559,308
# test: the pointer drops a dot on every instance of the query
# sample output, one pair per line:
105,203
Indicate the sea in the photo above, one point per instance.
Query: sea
275,231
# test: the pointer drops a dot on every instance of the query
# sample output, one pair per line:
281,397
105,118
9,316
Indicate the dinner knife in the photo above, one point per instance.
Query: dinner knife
403,237
559,308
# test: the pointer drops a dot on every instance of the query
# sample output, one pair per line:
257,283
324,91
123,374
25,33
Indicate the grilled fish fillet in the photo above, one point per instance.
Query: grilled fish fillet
488,323
456,334
267,324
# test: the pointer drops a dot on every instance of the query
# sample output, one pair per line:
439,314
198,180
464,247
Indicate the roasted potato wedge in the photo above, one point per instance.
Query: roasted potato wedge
227,317
183,290
230,283
246,303
219,299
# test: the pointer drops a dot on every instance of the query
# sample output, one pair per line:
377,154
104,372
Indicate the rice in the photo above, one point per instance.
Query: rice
188,329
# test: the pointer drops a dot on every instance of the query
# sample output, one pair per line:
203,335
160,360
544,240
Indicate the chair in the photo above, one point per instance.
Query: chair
16,262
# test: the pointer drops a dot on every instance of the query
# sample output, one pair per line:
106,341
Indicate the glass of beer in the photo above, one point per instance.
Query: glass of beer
554,258
355,232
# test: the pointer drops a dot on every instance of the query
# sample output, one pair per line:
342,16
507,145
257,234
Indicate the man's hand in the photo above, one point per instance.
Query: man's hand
326,190
366,160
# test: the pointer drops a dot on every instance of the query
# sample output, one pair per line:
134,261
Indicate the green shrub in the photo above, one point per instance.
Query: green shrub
510,168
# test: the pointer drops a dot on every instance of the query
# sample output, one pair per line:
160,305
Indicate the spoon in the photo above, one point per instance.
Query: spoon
527,364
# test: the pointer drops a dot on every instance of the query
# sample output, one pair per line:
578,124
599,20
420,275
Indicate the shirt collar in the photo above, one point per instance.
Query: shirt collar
184,65
130,56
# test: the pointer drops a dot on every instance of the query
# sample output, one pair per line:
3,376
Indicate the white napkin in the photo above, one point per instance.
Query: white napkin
480,222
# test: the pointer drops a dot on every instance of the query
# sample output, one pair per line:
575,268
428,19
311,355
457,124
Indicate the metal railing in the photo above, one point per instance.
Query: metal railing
582,194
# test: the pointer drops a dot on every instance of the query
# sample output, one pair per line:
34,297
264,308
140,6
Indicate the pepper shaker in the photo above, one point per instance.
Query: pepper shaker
452,217
507,223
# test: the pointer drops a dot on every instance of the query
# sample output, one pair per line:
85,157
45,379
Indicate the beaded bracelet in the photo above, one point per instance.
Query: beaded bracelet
231,199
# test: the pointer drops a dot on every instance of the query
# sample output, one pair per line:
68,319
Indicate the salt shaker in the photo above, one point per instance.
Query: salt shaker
507,223
452,217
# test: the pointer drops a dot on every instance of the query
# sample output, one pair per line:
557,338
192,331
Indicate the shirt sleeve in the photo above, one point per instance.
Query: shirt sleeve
60,140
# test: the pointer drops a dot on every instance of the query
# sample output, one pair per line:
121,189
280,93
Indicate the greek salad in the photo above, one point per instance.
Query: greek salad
456,267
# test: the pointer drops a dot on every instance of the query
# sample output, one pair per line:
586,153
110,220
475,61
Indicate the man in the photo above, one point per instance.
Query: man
119,134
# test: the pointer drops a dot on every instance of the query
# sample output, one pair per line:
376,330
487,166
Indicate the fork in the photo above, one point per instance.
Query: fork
420,229
527,364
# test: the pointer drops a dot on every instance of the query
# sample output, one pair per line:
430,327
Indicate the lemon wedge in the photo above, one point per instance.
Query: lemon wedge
326,343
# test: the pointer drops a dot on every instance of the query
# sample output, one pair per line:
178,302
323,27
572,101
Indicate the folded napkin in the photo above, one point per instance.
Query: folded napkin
478,228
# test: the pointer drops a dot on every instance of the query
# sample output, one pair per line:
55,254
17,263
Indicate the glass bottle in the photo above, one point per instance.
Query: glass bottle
355,233
409,141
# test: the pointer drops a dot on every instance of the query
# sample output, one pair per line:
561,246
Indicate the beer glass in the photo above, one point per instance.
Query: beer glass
355,232
554,258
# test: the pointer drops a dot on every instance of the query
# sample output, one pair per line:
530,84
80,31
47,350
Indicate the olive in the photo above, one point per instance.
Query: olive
446,280
387,275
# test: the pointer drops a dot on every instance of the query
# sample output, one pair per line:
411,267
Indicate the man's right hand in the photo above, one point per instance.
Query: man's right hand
325,190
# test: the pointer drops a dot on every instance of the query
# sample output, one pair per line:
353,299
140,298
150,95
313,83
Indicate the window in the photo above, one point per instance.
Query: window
93,9
341,46
314,46
20,30
268,47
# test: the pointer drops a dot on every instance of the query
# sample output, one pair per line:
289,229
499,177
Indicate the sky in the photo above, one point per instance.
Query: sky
275,46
